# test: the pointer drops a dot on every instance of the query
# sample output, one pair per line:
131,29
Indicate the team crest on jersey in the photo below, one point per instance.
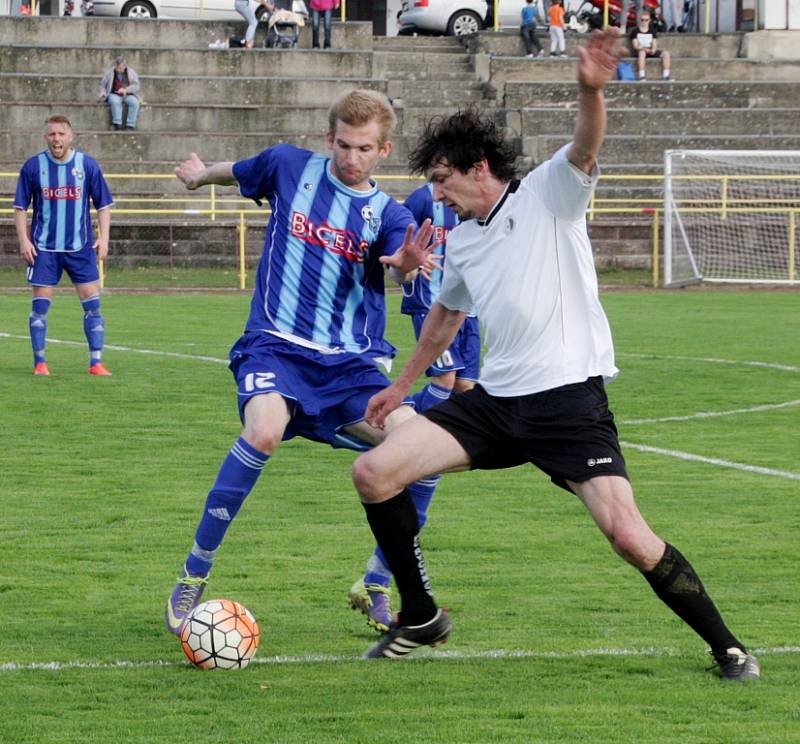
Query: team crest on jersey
509,226
77,173
368,213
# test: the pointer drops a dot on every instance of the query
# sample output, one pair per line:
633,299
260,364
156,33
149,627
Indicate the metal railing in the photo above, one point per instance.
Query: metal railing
210,206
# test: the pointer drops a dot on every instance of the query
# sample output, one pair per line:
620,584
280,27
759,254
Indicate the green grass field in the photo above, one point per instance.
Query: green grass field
555,639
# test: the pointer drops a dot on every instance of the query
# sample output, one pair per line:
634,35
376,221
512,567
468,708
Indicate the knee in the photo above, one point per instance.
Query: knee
641,549
369,479
262,437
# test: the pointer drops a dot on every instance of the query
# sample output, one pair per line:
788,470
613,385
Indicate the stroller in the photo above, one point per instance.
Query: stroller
284,24
590,14
87,7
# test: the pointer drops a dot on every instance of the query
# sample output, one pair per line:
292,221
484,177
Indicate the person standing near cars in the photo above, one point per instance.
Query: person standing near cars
245,10
528,29
556,17
326,8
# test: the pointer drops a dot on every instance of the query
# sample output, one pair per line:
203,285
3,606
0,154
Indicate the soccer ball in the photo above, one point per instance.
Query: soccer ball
220,634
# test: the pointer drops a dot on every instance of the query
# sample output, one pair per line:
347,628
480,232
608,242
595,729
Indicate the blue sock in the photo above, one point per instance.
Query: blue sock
421,494
429,396
37,324
236,478
93,328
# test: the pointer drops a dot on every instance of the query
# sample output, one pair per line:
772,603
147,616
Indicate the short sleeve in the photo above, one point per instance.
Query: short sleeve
24,192
454,294
419,204
396,219
256,176
98,187
565,190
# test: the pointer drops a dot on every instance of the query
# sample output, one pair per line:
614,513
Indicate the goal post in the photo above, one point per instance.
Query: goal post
731,216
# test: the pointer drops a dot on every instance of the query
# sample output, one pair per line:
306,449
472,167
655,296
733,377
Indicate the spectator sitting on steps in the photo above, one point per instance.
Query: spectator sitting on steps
120,85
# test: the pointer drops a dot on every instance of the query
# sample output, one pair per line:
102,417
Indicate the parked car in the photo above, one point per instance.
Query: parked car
453,17
212,10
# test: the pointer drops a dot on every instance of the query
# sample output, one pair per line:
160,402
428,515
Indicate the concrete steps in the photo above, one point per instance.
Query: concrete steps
699,46
505,69
148,61
173,145
676,121
622,148
687,94
63,89
125,33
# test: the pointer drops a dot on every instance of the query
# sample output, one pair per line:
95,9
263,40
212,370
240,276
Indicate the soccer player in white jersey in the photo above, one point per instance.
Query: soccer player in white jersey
62,183
522,255
307,362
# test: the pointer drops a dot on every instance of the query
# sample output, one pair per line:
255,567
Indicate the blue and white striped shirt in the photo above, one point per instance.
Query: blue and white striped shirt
419,295
319,279
61,193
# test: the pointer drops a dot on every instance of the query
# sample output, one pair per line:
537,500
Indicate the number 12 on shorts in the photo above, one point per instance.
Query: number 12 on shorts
258,381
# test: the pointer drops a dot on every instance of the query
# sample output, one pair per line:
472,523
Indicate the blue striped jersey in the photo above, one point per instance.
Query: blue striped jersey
61,194
319,278
419,295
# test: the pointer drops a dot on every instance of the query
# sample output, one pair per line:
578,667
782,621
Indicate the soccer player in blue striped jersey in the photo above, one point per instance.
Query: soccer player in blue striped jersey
308,359
455,369
62,182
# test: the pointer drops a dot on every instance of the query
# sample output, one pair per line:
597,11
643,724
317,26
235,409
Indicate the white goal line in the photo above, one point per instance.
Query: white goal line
501,653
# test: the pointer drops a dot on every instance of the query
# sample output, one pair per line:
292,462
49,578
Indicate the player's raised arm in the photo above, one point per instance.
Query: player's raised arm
597,64
438,331
194,173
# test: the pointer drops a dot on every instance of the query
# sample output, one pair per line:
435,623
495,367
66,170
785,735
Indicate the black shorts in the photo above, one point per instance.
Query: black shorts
568,432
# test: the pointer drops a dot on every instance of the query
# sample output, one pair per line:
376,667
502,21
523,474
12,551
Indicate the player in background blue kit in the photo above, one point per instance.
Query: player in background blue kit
308,359
455,370
61,182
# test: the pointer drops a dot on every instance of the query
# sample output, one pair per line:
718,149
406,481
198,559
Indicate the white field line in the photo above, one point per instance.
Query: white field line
341,658
152,352
641,447
713,461
712,360
712,414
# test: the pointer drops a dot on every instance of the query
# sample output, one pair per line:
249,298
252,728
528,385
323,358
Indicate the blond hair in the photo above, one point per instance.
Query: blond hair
360,107
58,119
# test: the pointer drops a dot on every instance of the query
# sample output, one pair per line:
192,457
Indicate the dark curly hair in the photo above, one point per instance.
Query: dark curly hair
463,139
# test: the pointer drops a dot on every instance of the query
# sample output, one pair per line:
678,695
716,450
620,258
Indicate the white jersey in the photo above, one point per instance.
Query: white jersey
529,269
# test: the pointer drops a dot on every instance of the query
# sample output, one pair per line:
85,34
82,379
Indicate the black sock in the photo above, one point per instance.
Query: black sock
396,528
677,585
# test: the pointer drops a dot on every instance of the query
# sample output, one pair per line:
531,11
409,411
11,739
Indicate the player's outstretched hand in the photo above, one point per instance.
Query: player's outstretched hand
415,249
382,404
598,58
190,171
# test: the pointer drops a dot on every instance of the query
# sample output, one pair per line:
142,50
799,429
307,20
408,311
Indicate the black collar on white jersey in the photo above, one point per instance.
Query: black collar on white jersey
510,189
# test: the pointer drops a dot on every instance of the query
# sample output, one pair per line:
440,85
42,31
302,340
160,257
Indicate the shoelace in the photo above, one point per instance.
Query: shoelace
191,587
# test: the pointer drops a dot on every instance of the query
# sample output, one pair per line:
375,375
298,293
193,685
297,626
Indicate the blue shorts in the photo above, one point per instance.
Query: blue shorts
325,392
463,356
81,267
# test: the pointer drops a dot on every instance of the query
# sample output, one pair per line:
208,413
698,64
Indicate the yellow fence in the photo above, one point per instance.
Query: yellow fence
210,206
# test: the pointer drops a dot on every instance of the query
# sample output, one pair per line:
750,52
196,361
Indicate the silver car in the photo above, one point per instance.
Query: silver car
453,17
212,10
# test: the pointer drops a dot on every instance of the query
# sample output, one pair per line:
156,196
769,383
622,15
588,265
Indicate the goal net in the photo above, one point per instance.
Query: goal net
731,216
